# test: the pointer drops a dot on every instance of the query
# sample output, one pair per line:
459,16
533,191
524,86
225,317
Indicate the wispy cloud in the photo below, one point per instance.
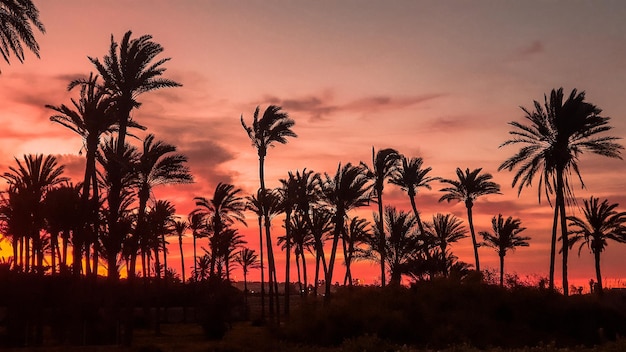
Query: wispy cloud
527,51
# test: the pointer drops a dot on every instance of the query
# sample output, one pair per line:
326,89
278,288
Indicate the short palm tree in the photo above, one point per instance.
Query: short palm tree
180,227
357,233
17,19
31,180
601,222
505,237
443,230
468,186
558,133
384,164
224,209
247,259
410,176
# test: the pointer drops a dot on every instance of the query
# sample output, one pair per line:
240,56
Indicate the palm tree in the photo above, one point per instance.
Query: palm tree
559,132
443,230
506,235
288,197
117,169
273,127
158,164
180,226
60,206
410,176
160,217
384,166
197,224
92,116
468,186
220,212
128,71
358,232
17,19
601,223
346,190
247,259
32,180
401,243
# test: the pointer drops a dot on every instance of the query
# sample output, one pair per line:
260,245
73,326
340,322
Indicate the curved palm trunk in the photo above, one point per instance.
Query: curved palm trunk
339,224
555,223
304,277
417,214
182,257
560,189
470,220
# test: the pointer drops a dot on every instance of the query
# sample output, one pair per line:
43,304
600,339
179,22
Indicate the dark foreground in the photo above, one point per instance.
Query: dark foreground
431,316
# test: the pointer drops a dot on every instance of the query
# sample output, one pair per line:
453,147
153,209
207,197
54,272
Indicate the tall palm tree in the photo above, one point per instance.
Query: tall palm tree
505,237
117,169
348,189
410,176
92,116
558,133
158,164
288,197
273,127
128,71
224,209
443,230
17,19
247,259
468,186
602,222
384,164
180,226
32,179
197,224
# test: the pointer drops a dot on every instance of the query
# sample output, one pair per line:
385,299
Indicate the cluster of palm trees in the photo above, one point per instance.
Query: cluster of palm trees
112,213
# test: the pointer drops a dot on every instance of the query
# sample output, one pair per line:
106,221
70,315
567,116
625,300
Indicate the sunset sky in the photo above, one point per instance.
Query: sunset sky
439,80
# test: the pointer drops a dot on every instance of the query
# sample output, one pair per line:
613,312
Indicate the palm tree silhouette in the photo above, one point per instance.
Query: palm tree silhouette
358,232
247,259
220,212
273,127
17,19
160,217
128,71
31,180
348,189
92,116
180,227
559,132
60,206
410,176
197,224
468,186
601,223
158,164
443,230
401,243
505,237
384,164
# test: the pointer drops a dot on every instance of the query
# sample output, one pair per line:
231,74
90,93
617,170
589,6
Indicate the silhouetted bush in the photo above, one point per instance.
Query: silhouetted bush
218,304
446,313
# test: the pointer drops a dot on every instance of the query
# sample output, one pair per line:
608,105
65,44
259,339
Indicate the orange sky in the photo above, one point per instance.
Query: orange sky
436,80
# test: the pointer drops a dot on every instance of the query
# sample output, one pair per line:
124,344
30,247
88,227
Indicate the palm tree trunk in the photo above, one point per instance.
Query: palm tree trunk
54,244
417,214
304,277
14,243
287,259
331,262
555,223
596,254
470,220
560,189
262,268
501,270
381,240
182,258
195,257
164,257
